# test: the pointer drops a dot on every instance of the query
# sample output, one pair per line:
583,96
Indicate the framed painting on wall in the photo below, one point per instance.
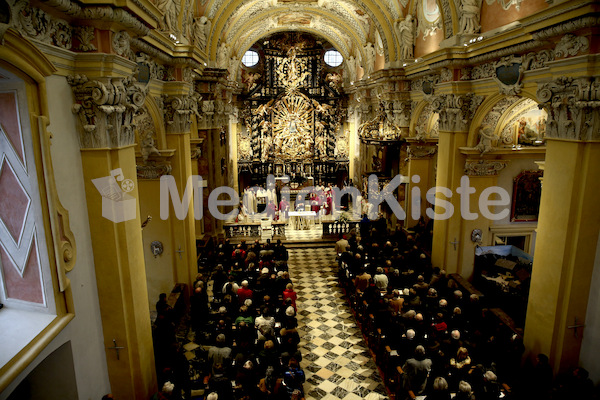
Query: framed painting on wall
530,128
527,191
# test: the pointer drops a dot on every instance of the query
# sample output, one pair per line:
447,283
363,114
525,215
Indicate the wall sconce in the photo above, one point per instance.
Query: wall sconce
476,236
156,248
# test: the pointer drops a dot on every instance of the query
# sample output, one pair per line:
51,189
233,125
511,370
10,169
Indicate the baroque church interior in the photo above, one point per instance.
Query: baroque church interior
423,173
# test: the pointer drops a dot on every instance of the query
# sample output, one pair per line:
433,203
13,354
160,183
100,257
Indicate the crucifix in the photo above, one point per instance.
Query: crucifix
116,348
575,326
455,243
180,252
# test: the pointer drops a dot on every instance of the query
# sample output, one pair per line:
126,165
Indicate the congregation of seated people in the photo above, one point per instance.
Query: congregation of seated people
246,331
429,337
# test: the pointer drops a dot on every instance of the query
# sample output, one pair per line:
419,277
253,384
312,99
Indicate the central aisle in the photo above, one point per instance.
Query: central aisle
336,360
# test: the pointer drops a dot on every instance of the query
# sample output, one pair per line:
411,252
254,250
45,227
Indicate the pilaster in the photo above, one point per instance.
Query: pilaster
106,109
421,161
455,114
568,226
180,111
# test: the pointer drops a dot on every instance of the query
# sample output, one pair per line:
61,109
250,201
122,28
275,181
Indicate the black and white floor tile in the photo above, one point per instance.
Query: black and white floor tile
336,360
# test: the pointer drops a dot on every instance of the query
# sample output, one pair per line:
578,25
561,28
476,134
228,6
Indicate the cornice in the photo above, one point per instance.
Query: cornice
101,13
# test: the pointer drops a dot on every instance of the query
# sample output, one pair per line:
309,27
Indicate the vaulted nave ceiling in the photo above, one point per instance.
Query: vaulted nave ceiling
348,24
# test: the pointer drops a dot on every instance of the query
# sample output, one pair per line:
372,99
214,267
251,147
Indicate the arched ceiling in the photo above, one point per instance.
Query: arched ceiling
347,24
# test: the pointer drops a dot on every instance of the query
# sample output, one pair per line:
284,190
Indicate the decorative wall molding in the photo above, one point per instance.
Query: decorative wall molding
106,110
401,110
153,170
506,4
101,13
566,27
529,61
445,75
65,248
150,50
508,72
447,15
418,152
179,111
570,45
35,23
573,107
484,167
85,35
121,45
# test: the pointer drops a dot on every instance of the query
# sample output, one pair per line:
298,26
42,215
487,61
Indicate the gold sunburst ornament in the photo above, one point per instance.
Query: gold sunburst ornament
293,119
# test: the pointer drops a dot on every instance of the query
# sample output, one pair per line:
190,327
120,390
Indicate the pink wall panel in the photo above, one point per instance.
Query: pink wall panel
10,121
13,202
29,287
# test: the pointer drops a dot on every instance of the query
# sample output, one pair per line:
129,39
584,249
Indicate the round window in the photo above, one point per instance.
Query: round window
250,58
333,58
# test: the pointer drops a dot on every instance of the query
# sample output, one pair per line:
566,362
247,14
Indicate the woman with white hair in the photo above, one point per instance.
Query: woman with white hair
440,390
464,391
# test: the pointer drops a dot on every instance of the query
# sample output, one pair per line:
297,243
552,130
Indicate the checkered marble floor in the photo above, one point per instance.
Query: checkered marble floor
336,360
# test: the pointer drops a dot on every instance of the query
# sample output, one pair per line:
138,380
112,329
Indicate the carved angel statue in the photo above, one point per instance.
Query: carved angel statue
202,27
469,17
369,64
251,80
406,36
171,10
486,139
223,56
351,68
147,148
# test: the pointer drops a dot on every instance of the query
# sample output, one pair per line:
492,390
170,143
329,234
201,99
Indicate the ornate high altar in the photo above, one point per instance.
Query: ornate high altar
292,114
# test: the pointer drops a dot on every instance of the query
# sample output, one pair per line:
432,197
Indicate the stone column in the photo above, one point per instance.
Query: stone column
105,108
420,164
455,113
180,106
569,221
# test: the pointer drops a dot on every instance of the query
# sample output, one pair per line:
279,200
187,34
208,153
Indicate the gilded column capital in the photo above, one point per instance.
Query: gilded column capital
573,107
179,110
106,110
484,167
456,110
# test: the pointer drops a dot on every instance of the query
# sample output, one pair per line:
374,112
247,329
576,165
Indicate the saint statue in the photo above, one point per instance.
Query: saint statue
406,35
469,17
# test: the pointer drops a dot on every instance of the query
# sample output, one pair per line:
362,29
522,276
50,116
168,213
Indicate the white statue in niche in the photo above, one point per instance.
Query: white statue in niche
202,27
171,10
486,139
147,147
233,67
351,68
222,56
369,64
406,36
469,17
